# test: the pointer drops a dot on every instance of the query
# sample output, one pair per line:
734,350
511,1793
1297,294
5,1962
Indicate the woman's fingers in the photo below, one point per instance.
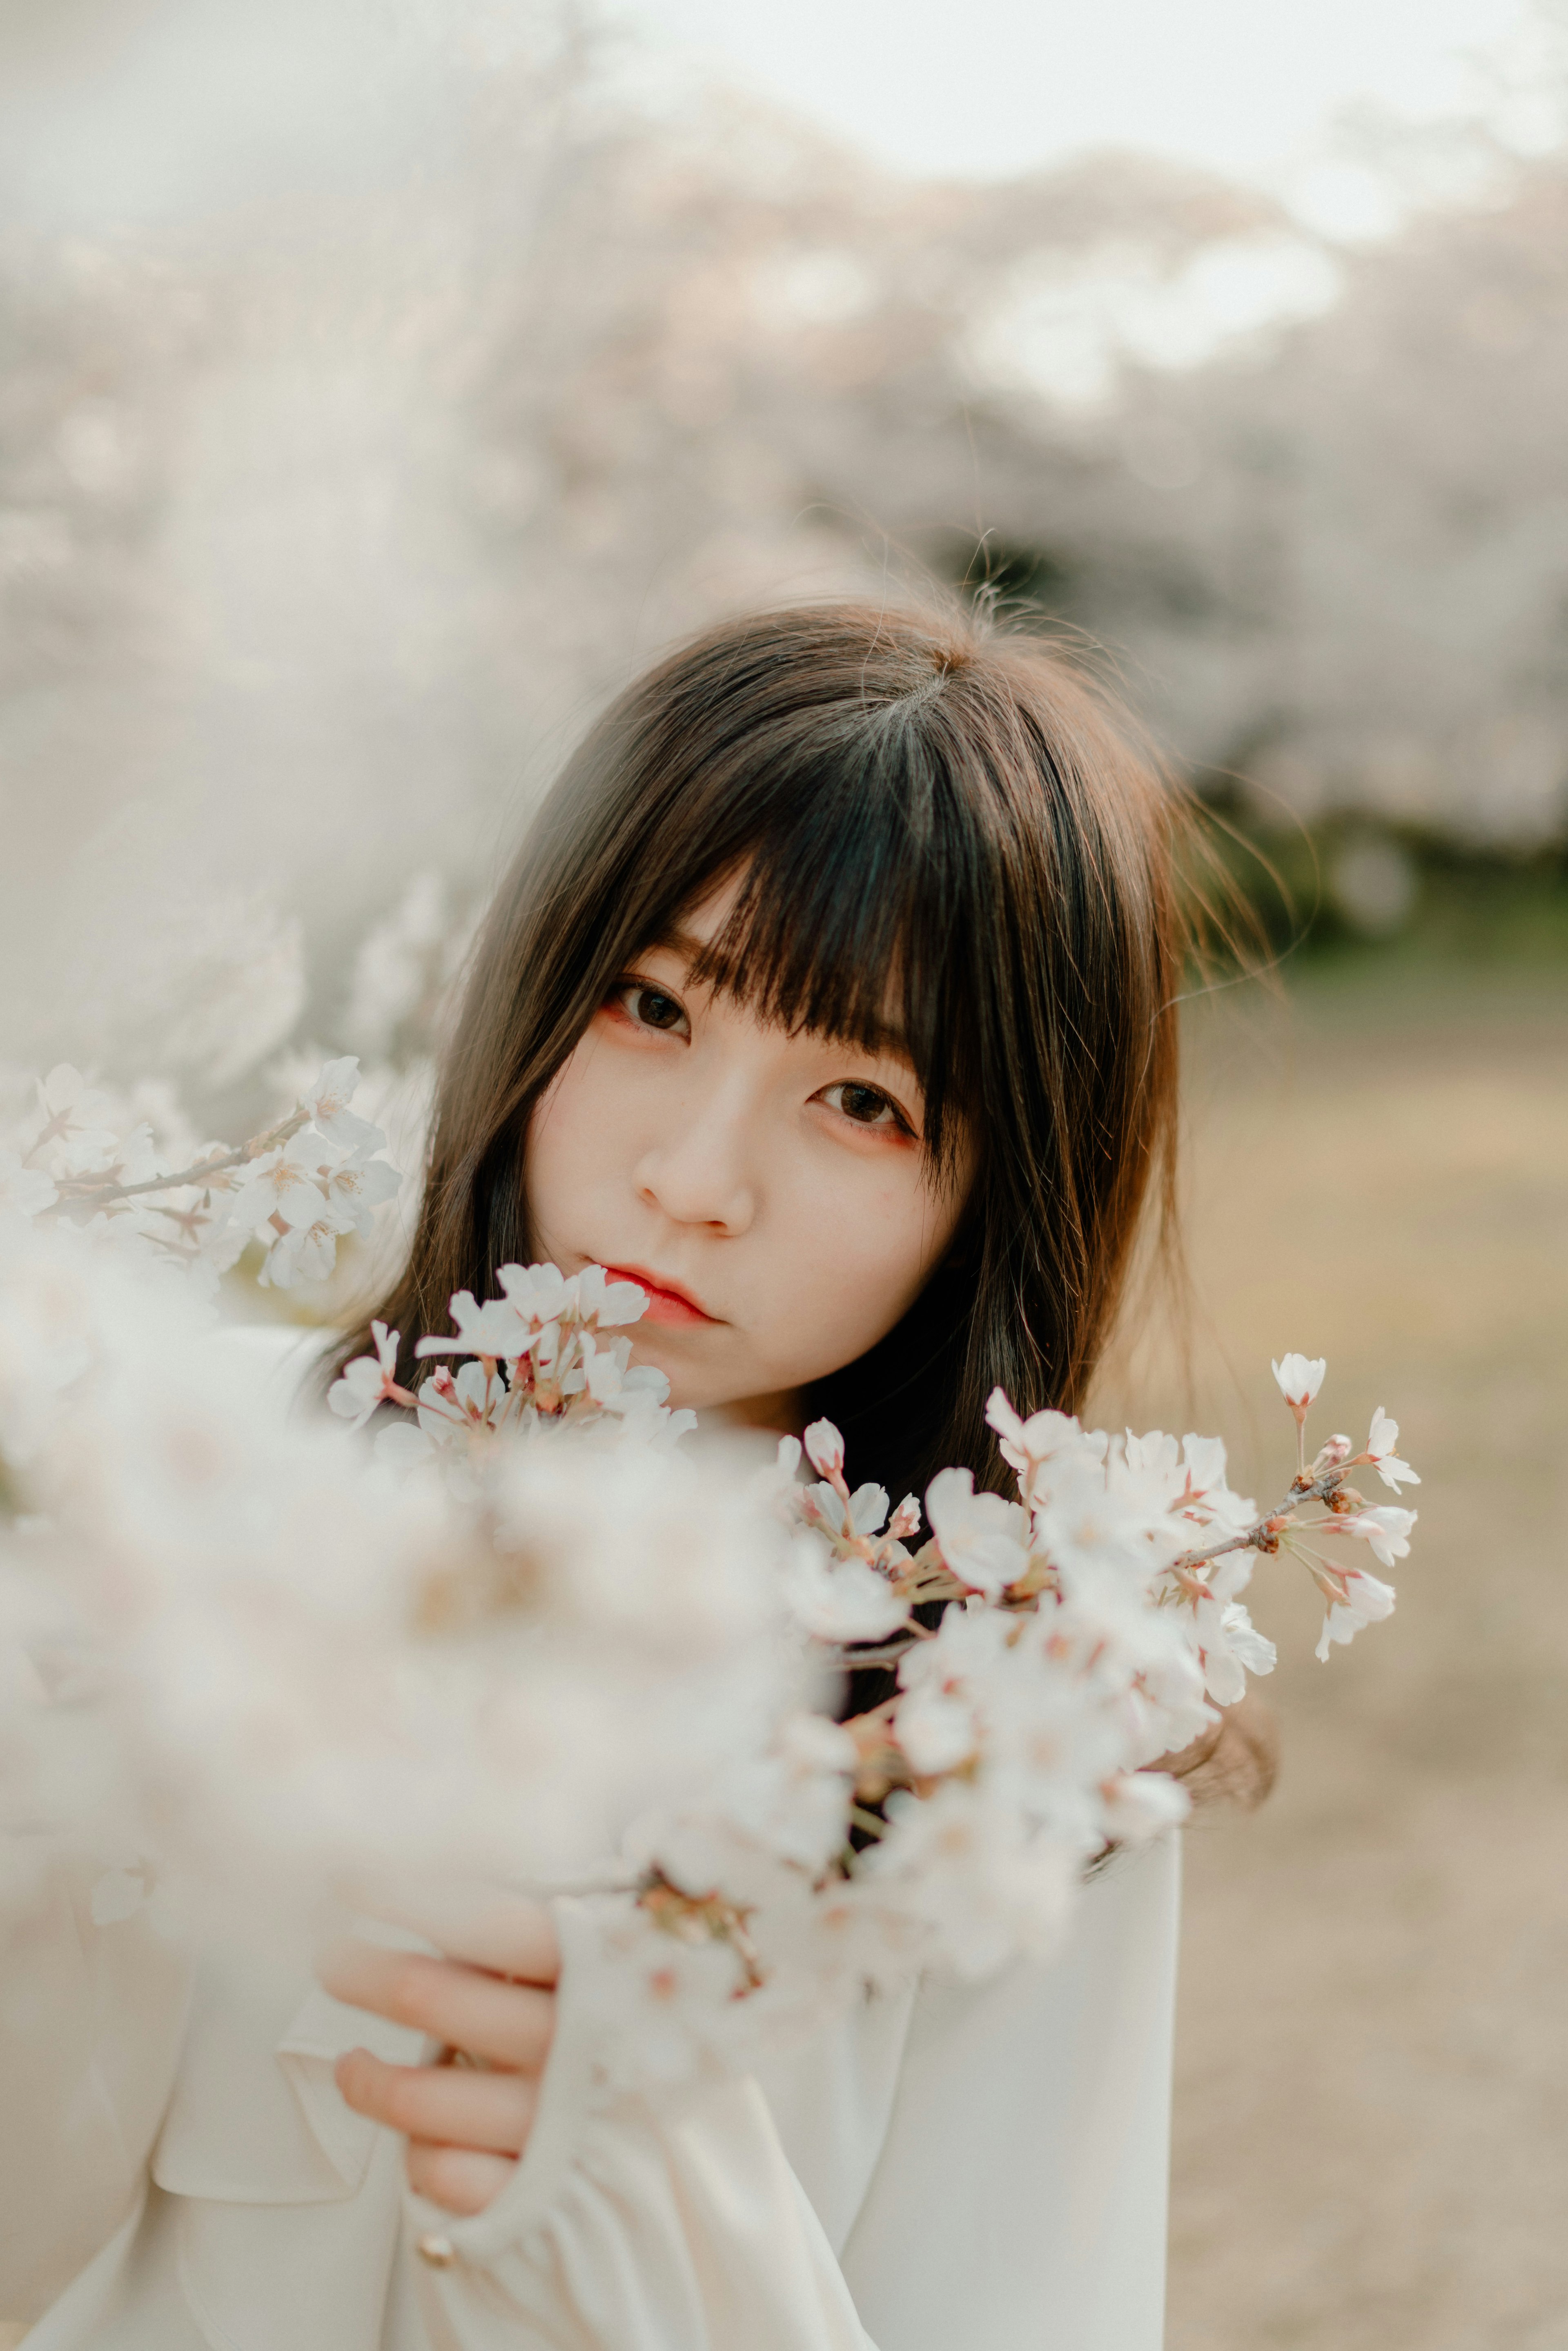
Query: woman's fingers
507,1934
450,2104
507,2023
459,2179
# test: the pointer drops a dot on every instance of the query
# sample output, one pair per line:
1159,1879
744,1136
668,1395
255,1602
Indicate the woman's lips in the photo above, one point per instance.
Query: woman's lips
664,1304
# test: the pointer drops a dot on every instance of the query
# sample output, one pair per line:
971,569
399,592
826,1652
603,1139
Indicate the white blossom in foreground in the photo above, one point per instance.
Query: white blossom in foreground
304,1661
525,1633
370,1381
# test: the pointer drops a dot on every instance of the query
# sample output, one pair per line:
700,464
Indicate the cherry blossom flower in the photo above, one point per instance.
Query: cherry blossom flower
905,1522
73,1112
1087,1528
824,1449
130,1169
452,1405
847,1515
1204,1461
654,1996
1026,1444
599,1300
368,1380
984,1538
539,1293
936,1729
1229,1644
328,1105
358,1185
495,1330
1367,1601
1300,1377
841,1600
1386,1527
787,1806
305,1252
402,1447
1381,1452
962,1863
283,1184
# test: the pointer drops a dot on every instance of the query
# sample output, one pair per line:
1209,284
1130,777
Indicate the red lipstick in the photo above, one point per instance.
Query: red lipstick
667,1302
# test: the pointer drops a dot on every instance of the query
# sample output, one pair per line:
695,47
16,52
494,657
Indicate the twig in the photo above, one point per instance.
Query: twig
1264,1533
1317,1490
201,1171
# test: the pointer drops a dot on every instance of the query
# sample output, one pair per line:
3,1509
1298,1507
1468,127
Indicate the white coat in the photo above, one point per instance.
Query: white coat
953,2170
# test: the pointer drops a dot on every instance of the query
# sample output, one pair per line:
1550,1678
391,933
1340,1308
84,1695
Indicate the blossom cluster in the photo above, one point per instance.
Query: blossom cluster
246,1656
1084,1630
538,1355
512,1620
125,1167
1087,1629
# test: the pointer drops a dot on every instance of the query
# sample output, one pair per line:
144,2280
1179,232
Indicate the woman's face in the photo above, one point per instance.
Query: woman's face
770,1191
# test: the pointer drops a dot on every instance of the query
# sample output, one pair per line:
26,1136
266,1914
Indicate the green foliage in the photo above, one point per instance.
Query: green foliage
1422,897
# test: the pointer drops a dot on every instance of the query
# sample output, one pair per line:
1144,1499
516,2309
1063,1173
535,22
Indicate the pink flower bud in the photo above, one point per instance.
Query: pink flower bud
825,1448
905,1522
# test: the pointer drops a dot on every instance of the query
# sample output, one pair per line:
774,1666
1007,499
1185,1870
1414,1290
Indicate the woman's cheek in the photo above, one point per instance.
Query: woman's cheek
573,1135
868,1261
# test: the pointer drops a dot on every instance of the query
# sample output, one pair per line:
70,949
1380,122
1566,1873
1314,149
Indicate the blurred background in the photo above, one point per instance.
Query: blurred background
383,382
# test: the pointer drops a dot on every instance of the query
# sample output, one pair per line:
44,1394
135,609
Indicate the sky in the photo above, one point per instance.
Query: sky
991,88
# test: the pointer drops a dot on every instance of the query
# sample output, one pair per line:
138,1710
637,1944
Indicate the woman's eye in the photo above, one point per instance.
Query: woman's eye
650,1008
865,1106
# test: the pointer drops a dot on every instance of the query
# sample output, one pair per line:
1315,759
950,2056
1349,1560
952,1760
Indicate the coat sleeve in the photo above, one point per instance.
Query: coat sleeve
1020,2201
649,2225
90,2021
1017,2202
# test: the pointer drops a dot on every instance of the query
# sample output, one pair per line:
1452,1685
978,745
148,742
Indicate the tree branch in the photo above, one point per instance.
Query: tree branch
78,1188
1262,1535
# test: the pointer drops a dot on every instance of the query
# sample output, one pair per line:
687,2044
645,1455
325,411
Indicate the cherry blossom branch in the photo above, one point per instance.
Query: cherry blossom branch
1263,1535
201,1171
90,1160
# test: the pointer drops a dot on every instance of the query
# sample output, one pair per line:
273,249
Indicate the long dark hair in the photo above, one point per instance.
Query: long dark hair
917,802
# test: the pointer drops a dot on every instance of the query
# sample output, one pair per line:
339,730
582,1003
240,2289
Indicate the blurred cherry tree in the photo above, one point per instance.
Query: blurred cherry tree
380,386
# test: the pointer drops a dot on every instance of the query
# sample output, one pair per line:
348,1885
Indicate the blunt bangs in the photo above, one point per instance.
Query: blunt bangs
849,905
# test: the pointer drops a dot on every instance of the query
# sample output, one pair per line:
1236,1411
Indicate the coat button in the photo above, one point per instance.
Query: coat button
439,2252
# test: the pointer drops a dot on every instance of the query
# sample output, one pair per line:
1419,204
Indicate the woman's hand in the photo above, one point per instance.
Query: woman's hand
491,2002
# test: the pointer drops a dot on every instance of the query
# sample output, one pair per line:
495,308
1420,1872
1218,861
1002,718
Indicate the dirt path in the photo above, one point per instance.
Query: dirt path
1372,2098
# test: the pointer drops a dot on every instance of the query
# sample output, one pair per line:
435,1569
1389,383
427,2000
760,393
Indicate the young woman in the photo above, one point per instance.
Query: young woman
832,999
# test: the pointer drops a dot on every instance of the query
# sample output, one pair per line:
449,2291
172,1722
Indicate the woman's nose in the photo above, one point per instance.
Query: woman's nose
697,1171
